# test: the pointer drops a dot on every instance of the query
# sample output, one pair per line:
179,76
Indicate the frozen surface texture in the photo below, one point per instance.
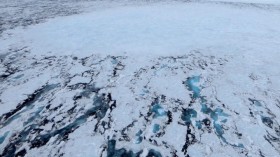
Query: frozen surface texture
166,106
135,78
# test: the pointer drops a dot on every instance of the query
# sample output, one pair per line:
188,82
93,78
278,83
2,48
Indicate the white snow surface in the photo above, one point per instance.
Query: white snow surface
156,29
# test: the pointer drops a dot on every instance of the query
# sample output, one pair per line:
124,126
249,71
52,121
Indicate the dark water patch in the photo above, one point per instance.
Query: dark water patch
2,138
187,115
139,133
198,124
267,121
16,141
218,129
214,114
224,121
99,109
139,140
219,132
192,86
205,109
7,118
157,110
139,137
113,152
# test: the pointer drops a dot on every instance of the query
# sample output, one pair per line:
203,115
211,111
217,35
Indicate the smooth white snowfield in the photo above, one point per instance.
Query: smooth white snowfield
157,29
196,78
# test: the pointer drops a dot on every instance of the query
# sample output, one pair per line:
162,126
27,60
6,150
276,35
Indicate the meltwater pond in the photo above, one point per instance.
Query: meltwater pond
192,84
3,137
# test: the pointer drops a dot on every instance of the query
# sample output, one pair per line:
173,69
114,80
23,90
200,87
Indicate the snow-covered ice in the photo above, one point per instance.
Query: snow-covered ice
140,78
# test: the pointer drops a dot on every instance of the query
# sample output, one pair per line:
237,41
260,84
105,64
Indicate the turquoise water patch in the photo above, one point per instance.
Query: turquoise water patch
198,124
216,115
139,138
219,129
213,114
220,112
224,121
188,114
2,138
190,83
158,111
205,109
156,128
139,133
219,132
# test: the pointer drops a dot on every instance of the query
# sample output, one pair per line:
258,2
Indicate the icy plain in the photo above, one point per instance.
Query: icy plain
83,78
